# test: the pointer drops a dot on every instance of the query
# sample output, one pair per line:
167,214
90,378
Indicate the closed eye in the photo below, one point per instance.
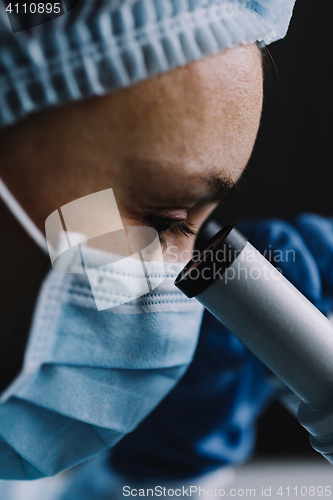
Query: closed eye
176,226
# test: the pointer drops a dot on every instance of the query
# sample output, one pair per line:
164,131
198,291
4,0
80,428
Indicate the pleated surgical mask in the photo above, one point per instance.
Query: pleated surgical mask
90,376
111,336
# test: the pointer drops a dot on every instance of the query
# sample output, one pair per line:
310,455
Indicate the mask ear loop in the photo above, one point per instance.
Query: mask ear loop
28,225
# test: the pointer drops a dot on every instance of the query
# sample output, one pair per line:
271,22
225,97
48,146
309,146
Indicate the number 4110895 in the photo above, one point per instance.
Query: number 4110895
33,8
305,491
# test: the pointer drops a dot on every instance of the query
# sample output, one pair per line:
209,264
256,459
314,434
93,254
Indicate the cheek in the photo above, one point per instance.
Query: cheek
178,249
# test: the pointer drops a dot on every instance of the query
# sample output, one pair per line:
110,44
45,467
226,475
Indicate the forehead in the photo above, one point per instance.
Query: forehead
179,130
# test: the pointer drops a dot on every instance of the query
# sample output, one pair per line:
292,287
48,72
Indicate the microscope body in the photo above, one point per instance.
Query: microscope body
251,298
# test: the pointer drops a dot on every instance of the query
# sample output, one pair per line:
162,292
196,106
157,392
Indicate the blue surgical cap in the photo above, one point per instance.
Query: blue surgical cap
103,45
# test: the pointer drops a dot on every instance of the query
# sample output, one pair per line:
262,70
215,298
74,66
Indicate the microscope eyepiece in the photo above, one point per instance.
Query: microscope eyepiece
252,299
220,253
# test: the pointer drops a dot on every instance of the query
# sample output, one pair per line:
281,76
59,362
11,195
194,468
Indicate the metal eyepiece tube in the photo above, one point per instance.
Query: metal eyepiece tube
266,312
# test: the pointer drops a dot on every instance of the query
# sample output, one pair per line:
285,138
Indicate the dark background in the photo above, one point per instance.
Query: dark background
291,169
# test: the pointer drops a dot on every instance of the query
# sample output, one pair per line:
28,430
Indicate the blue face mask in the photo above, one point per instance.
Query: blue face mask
90,376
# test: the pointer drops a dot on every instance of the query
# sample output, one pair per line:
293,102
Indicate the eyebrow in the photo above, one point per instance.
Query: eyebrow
223,188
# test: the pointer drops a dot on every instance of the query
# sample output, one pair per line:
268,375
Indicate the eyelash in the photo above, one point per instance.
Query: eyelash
177,227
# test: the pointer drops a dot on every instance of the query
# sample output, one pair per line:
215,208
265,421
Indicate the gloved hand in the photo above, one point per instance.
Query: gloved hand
208,420
303,249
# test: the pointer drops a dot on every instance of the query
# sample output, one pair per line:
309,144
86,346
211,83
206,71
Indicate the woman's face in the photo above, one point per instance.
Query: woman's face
170,147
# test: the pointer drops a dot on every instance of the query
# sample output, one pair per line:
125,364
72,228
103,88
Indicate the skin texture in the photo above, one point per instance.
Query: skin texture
160,145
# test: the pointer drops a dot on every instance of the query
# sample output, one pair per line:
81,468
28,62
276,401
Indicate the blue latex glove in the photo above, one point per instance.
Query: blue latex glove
303,250
208,420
